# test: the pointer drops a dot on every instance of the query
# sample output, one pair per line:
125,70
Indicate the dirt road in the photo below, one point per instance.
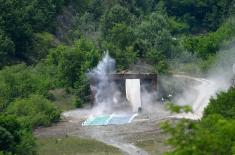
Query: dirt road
205,89
144,126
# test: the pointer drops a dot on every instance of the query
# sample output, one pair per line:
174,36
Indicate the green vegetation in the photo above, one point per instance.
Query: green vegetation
49,46
34,111
14,138
200,15
62,99
205,45
73,145
20,81
177,109
19,23
222,105
213,134
71,64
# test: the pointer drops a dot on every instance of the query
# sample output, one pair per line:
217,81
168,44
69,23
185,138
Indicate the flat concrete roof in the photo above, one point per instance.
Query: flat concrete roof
120,76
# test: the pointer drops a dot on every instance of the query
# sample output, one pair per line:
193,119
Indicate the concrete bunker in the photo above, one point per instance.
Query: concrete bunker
147,82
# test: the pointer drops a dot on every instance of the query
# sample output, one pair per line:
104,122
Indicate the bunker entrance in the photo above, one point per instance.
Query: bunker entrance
130,85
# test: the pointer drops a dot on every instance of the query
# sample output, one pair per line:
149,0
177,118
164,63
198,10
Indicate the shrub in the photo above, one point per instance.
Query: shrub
208,44
73,62
14,138
223,104
34,111
77,102
20,81
213,135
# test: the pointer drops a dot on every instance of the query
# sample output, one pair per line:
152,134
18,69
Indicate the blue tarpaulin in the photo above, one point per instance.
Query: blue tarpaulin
109,119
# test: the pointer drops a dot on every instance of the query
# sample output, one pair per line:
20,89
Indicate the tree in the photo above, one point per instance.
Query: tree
122,36
19,20
34,111
73,63
20,81
123,57
150,28
213,134
200,15
223,104
208,44
80,5
41,14
6,140
97,8
116,15
155,31
7,49
41,44
145,5
13,137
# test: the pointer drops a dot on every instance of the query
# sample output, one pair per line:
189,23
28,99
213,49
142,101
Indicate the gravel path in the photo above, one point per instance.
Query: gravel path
144,126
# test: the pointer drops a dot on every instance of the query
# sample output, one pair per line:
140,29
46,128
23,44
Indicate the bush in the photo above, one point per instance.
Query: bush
77,102
116,15
73,62
208,44
123,58
27,145
14,138
223,104
6,140
20,21
41,43
21,81
7,49
200,15
155,58
212,135
34,111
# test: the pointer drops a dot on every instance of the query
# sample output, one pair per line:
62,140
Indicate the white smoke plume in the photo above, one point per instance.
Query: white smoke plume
222,71
219,78
107,95
110,99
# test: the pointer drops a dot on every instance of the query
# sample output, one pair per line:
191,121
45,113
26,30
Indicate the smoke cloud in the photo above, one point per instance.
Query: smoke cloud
108,98
192,90
218,78
222,71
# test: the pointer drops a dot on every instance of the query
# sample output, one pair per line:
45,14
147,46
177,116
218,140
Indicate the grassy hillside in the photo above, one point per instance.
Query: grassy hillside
49,46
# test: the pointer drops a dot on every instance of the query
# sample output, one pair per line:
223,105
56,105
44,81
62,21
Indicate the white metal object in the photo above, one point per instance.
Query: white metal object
234,68
133,93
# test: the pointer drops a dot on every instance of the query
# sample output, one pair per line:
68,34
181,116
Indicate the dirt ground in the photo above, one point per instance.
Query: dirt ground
141,132
144,127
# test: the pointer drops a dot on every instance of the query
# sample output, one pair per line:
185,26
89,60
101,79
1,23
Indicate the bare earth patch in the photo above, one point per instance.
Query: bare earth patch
144,128
142,136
